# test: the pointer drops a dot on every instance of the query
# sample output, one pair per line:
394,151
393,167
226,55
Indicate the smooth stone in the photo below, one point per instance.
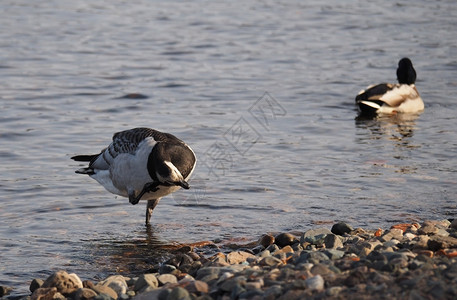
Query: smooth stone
315,236
104,290
315,283
454,224
393,233
266,240
270,261
272,248
437,242
197,286
333,291
166,269
251,294
117,283
237,257
149,295
166,278
332,241
273,292
64,282
46,293
341,228
320,269
84,294
285,239
334,254
264,253
179,293
35,284
144,281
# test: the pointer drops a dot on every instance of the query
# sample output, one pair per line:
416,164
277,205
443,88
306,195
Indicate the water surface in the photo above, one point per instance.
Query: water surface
262,91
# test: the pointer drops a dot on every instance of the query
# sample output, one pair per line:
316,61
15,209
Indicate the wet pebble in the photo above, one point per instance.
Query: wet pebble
285,239
341,228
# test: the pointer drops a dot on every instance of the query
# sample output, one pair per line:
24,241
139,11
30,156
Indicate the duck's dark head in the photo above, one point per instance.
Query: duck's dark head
405,72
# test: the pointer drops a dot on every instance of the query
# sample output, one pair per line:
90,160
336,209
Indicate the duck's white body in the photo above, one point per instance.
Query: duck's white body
387,98
142,164
398,98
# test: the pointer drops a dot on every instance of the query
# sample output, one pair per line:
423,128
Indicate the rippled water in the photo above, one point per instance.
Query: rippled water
262,91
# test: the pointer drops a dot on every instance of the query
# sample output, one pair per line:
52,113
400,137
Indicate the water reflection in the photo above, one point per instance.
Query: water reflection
394,141
398,128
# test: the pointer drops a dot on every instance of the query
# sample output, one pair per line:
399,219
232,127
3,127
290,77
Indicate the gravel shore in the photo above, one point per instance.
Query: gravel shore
407,261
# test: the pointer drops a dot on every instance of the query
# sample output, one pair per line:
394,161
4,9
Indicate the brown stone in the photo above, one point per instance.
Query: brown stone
64,282
266,240
84,294
196,286
48,293
285,239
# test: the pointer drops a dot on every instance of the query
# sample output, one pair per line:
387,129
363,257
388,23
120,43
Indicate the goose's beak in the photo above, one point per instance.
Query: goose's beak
183,184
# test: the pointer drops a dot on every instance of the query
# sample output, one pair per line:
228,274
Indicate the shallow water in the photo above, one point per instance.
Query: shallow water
263,92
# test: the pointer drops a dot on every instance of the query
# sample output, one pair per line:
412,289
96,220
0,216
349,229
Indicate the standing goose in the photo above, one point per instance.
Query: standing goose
387,98
142,164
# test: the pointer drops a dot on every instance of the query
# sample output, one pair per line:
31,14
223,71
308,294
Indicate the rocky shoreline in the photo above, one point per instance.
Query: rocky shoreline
407,261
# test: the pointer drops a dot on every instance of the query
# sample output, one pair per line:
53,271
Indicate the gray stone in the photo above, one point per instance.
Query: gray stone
315,236
117,283
272,248
179,293
270,261
315,283
333,291
144,281
341,228
149,295
35,284
332,241
273,292
166,269
393,233
454,224
334,254
437,242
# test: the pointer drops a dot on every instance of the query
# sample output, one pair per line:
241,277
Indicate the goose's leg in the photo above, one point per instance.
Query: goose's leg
148,187
149,208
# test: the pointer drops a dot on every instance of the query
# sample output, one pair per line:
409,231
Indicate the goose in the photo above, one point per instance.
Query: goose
388,98
141,164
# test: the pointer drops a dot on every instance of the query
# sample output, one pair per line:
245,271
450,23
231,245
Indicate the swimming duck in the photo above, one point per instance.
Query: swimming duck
387,98
141,164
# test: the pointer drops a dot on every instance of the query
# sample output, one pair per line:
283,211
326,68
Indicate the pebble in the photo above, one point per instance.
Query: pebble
144,281
315,236
285,239
341,228
315,283
166,278
117,283
266,240
64,283
4,290
406,261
